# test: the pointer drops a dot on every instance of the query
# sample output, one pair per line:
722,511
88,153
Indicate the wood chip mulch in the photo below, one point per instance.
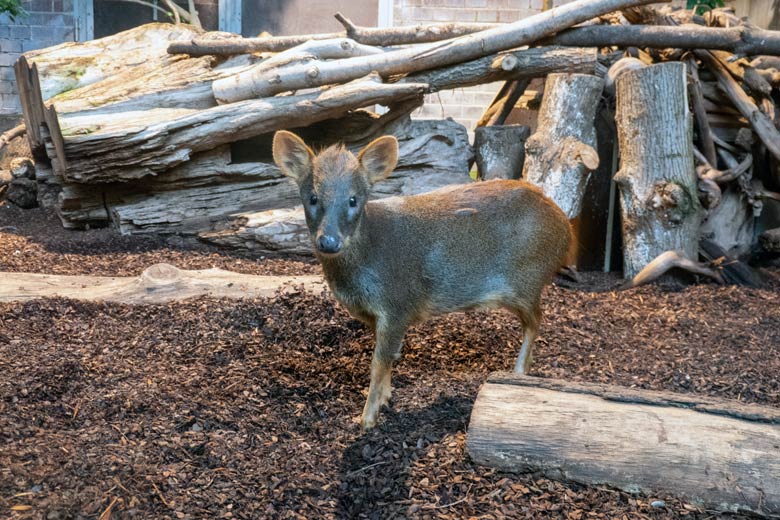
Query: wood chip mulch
243,409
33,241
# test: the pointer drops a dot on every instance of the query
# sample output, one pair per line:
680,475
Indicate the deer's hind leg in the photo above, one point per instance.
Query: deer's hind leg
530,317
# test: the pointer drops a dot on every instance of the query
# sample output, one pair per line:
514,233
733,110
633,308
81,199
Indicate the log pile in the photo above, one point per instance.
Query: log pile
166,128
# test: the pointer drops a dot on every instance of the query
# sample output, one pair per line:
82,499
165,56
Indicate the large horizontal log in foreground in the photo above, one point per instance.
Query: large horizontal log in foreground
717,453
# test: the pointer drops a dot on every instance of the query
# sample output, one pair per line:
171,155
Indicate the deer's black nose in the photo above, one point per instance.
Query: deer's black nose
328,244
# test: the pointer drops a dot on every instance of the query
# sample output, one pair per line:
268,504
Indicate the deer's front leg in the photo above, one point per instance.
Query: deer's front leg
389,340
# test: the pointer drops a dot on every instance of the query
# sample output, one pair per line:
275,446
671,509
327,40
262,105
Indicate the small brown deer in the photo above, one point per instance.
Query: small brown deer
395,262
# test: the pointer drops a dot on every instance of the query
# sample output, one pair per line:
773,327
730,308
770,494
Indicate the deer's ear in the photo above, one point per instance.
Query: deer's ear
292,156
379,158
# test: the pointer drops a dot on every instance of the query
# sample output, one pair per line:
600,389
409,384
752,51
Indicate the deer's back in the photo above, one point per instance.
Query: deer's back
456,248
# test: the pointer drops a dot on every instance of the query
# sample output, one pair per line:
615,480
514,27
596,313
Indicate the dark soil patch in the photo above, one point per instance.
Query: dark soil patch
224,409
34,241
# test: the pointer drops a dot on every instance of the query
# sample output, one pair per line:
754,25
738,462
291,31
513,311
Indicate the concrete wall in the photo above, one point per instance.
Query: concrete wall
49,22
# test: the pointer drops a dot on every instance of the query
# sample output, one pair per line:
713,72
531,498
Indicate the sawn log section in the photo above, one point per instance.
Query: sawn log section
714,452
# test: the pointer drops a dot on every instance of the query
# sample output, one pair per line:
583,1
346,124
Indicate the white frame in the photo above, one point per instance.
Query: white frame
230,16
84,20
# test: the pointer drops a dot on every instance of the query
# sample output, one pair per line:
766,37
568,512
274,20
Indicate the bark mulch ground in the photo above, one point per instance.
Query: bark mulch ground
34,241
243,409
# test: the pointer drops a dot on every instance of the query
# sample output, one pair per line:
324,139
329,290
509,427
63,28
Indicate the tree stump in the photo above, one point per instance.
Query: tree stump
717,453
500,151
657,180
561,153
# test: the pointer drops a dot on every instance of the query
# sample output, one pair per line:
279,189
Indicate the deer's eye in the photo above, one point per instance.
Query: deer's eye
313,200
352,202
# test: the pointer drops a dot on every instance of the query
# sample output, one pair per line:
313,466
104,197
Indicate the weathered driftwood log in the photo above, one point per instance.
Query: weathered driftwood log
561,154
717,453
427,56
210,189
743,40
432,154
171,82
657,181
45,73
111,147
158,283
87,136
72,65
500,151
381,37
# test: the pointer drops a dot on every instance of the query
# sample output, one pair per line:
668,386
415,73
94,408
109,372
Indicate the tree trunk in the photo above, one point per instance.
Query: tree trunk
126,146
428,56
657,181
158,283
500,151
717,453
561,154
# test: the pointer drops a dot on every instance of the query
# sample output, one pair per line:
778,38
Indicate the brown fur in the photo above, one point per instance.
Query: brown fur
484,245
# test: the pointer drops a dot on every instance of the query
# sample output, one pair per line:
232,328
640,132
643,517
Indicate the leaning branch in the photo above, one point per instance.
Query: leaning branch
743,40
432,55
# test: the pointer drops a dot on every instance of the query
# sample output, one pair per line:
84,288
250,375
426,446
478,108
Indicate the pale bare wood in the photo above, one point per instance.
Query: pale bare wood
246,84
158,283
657,180
667,261
439,54
560,155
716,453
110,147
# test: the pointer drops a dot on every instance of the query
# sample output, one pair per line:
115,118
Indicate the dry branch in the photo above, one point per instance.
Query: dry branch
743,40
438,54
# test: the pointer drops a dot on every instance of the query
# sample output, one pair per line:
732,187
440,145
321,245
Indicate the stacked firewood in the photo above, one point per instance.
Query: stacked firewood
167,129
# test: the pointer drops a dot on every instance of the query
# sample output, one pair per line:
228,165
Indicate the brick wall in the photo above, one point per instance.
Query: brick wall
465,105
49,22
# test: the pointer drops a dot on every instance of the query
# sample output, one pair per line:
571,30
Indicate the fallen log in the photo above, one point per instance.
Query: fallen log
560,155
158,283
432,55
657,180
114,147
743,40
716,453
71,65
